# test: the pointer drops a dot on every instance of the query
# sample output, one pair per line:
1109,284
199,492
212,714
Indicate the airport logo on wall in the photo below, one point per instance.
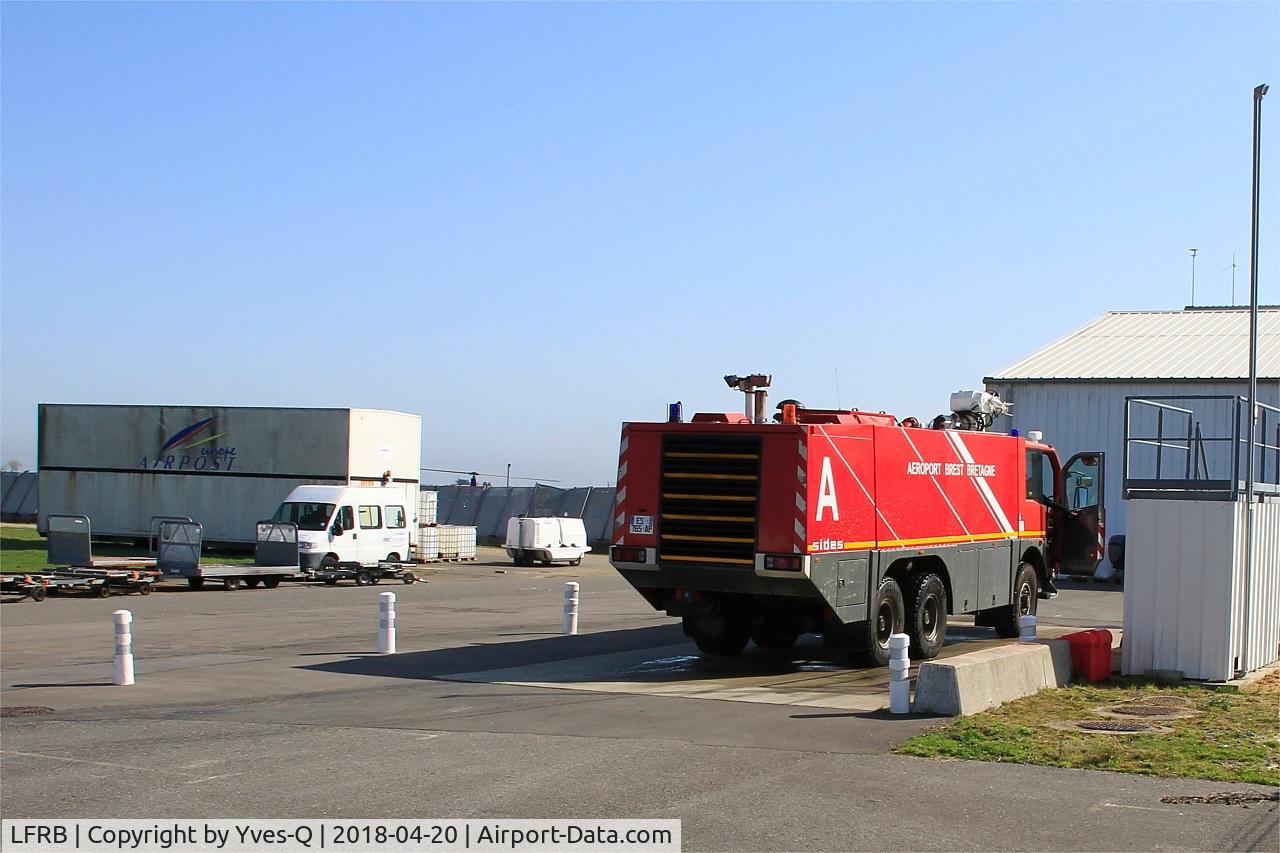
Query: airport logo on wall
189,449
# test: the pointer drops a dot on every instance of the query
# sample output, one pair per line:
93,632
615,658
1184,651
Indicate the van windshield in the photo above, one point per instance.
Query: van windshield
306,515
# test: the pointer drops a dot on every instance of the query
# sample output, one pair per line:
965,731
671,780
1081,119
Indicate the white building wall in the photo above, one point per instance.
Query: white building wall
1083,415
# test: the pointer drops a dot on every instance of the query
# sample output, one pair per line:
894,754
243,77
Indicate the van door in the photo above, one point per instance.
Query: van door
395,534
1083,537
346,545
369,522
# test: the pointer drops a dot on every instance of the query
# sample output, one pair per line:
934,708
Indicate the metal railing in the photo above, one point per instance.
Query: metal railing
1192,447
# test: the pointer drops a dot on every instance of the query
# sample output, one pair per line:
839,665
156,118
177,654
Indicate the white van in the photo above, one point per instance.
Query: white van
347,524
546,539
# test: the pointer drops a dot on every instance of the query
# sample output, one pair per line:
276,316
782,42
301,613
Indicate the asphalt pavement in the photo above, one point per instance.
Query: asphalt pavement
274,703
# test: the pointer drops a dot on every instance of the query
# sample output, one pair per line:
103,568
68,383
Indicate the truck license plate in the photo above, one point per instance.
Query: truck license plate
642,524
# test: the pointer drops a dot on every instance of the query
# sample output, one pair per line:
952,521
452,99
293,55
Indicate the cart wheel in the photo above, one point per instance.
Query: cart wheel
231,583
37,594
102,591
195,583
252,583
364,579
577,562
330,581
546,562
409,577
271,582
144,589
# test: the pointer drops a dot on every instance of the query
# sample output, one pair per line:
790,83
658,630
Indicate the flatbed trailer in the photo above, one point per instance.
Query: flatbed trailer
141,581
275,556
362,575
71,545
37,585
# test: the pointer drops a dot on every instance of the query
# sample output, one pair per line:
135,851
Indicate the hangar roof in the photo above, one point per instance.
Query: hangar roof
1196,343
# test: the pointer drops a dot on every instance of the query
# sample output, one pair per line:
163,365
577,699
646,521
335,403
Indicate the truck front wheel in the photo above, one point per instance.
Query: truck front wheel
927,615
716,635
886,616
1026,591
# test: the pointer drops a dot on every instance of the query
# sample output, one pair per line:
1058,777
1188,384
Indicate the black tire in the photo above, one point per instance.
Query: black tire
329,563
409,578
37,593
577,562
364,579
885,616
330,581
716,635
926,613
1026,589
271,582
102,591
252,583
144,589
776,639
231,584
195,583
546,562
393,557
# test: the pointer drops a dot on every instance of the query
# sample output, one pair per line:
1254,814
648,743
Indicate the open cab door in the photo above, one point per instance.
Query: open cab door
1082,537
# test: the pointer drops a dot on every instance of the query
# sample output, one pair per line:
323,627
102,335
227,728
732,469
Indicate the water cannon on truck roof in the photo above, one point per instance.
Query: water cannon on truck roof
845,523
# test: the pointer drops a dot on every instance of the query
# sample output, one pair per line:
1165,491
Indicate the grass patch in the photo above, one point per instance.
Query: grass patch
22,549
1235,737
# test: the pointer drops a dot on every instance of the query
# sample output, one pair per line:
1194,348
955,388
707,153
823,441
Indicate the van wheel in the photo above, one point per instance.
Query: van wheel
1026,590
364,579
885,617
393,557
927,615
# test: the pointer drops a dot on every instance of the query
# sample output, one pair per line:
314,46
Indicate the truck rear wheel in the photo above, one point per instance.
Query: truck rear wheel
886,616
716,635
926,615
1026,591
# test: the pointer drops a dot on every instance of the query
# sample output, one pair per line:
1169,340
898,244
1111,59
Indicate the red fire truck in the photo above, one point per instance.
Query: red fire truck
850,524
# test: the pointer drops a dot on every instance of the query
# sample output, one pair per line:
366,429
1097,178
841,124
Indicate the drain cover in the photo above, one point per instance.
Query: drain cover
1165,700
24,711
1115,726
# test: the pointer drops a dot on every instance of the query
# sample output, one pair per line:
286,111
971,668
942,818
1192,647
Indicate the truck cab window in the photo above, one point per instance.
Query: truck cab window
1040,484
370,517
395,517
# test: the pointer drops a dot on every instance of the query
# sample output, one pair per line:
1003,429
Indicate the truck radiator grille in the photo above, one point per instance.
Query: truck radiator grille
710,498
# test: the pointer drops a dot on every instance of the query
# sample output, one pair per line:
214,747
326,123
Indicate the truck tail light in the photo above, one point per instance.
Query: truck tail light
783,562
622,554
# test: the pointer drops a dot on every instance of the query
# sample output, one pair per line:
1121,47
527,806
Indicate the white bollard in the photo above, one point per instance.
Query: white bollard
899,674
387,623
570,623
124,647
1027,629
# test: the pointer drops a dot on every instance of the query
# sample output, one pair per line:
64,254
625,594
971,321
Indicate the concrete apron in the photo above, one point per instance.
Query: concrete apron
805,676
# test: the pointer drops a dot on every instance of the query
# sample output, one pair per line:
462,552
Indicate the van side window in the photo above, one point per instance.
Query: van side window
346,518
370,516
395,516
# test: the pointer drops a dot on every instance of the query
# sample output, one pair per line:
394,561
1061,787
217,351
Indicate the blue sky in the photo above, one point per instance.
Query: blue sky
529,223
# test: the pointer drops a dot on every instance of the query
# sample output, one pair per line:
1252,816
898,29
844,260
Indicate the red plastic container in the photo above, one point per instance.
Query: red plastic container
1091,653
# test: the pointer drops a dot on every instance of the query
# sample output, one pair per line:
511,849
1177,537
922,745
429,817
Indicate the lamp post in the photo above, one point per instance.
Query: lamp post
1193,276
1247,662
508,475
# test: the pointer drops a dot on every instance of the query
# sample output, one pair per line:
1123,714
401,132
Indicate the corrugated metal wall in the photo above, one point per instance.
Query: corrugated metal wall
1076,416
18,495
489,508
1184,603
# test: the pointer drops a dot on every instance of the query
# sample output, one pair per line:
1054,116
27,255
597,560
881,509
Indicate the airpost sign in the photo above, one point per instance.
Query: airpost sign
191,449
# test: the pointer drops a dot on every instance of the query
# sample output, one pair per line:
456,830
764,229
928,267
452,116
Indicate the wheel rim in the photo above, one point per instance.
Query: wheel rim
930,617
884,623
1024,599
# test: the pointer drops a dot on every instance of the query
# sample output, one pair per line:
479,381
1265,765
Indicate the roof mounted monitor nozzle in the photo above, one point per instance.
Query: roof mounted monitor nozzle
753,386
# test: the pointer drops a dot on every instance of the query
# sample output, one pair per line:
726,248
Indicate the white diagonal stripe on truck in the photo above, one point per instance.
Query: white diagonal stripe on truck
983,487
941,491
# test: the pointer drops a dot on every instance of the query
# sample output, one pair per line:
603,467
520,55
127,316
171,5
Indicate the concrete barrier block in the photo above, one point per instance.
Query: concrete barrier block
982,679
